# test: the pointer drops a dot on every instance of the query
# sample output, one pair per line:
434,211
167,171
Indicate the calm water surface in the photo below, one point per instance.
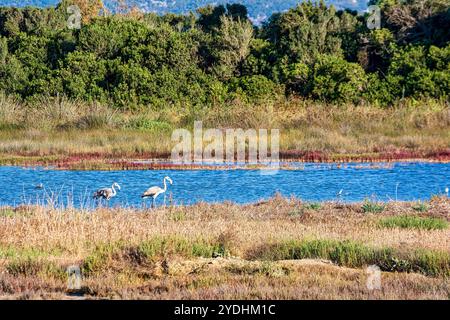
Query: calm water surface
314,182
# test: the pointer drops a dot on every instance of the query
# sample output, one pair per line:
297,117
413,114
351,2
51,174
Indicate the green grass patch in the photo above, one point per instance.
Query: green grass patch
296,212
9,252
355,255
312,206
413,222
299,211
152,249
35,266
31,262
372,207
161,247
6,212
100,256
177,216
420,207
142,123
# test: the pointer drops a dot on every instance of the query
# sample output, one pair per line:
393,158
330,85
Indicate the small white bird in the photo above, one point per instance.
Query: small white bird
106,193
446,191
155,191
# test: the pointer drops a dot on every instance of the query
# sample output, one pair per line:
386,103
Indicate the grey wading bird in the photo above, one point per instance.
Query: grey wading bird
156,191
106,193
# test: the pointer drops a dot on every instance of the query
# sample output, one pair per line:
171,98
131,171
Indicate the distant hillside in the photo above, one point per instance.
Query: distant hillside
259,10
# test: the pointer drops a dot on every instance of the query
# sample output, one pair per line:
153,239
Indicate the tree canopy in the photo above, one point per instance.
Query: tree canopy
216,54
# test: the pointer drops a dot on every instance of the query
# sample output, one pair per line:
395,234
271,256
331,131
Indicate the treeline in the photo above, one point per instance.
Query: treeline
216,55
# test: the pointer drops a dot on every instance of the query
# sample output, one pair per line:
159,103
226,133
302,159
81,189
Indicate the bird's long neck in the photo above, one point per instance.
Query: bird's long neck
165,185
114,190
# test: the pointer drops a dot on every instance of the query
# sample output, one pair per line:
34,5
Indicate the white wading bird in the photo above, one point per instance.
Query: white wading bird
156,191
106,193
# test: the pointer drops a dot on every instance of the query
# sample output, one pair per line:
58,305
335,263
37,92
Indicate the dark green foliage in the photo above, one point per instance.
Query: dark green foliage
304,32
255,87
153,61
421,22
335,79
422,71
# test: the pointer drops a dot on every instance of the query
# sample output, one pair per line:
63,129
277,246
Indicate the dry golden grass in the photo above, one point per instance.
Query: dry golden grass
61,127
208,251
234,279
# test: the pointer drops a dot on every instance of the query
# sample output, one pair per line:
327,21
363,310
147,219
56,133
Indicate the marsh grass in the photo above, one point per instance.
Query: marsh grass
413,222
373,207
100,256
355,255
7,212
420,207
301,209
61,127
26,252
313,206
265,268
35,266
178,216
222,250
160,247
151,250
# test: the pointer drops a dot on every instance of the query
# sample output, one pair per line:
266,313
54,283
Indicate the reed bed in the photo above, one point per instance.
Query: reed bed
54,129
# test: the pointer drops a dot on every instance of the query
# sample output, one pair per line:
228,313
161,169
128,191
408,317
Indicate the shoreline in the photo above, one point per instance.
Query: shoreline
161,161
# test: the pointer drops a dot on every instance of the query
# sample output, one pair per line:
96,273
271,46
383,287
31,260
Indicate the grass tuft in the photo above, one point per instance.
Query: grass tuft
413,222
354,254
420,207
313,206
152,249
35,266
372,207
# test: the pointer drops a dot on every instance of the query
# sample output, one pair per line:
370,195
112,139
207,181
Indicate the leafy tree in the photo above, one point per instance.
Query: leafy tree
422,71
417,21
84,76
253,88
231,45
210,17
302,33
138,60
29,20
376,50
334,79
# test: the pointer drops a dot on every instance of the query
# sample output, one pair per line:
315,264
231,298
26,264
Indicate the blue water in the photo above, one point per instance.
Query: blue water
314,182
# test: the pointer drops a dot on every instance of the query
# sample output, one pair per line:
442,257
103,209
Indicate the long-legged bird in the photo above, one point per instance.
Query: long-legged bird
155,191
106,193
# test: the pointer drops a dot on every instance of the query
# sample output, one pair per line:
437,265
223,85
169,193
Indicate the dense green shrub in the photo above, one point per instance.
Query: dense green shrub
312,50
422,71
254,88
335,79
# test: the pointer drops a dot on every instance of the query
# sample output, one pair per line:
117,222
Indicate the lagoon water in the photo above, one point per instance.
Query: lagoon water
311,182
